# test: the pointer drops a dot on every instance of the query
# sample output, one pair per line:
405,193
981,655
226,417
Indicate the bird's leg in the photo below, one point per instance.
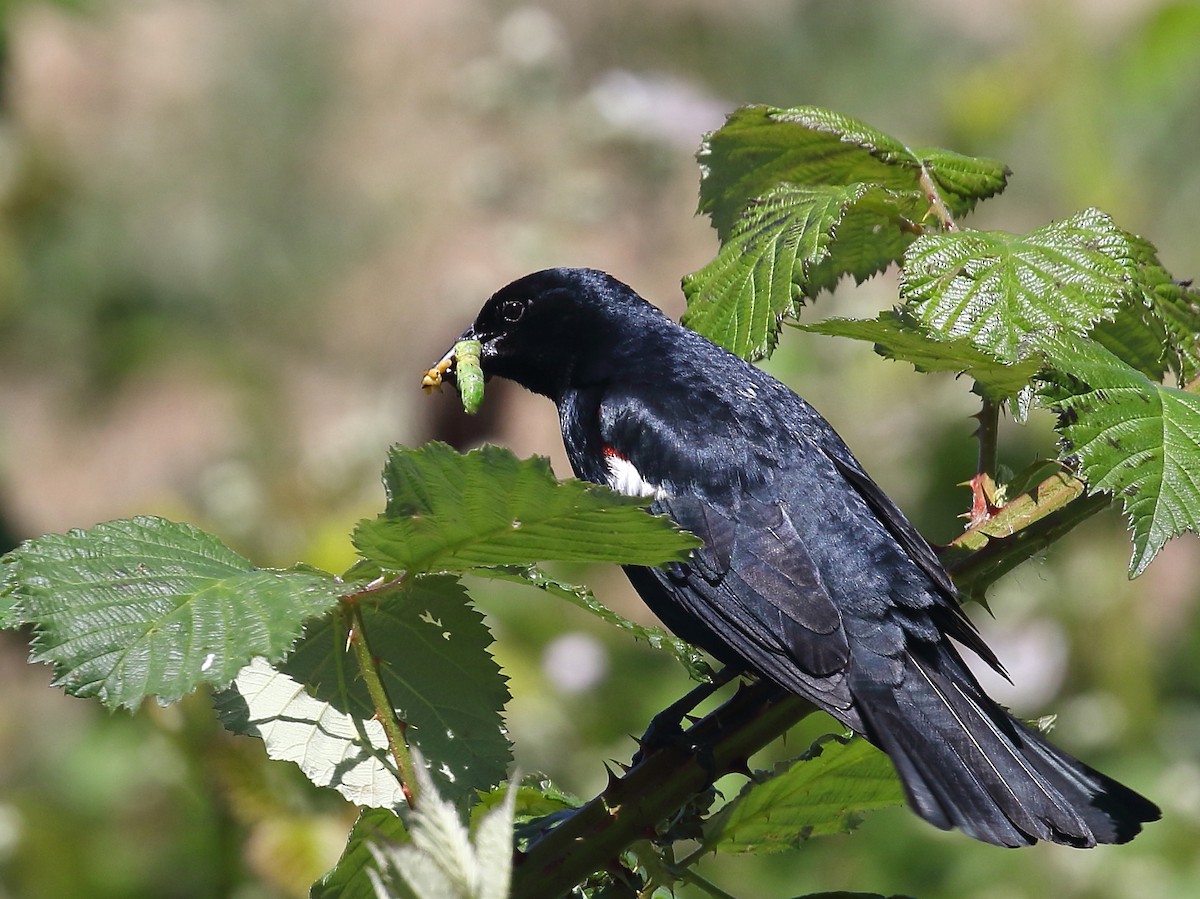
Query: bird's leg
666,727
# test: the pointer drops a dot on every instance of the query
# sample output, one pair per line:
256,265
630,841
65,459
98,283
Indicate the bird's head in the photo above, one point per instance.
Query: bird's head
558,329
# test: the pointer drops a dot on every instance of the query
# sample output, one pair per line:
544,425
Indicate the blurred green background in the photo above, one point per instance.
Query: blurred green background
232,236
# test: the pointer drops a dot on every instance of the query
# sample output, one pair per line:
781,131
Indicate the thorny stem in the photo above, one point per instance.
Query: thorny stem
981,555
632,805
988,417
937,204
983,485
684,869
385,712
689,875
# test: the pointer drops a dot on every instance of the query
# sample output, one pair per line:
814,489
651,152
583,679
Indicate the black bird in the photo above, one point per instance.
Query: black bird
809,574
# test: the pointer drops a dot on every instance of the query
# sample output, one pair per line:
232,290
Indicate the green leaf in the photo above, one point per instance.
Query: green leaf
783,249
826,791
442,859
802,197
1175,308
535,797
1137,336
448,511
11,614
962,181
760,148
900,336
146,606
1158,329
1006,291
351,877
688,656
1132,437
540,806
432,649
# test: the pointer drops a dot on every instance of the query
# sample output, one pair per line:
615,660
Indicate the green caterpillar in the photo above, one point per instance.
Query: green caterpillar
468,374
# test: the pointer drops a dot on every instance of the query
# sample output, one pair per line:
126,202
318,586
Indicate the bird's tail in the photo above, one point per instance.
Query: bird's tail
967,763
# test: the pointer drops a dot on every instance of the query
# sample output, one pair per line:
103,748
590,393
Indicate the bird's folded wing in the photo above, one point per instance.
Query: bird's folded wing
952,619
754,585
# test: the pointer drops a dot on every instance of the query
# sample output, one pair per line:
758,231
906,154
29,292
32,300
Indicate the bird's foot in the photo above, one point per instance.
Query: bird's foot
666,728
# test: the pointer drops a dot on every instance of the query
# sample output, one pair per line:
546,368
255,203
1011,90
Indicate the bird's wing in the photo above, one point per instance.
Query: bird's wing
753,584
881,504
952,619
756,587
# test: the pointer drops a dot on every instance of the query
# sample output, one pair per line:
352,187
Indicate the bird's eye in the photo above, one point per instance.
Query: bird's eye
512,310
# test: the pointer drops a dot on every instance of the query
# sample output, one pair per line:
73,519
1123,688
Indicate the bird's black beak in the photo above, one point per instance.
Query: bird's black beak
443,371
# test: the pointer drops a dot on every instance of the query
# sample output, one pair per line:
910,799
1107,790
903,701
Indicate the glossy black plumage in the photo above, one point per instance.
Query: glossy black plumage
809,575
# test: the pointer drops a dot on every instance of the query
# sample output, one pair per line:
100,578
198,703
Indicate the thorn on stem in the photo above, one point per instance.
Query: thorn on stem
983,495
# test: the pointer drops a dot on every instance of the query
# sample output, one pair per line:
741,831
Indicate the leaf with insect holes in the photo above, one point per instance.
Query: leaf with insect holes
149,607
1132,437
449,511
760,148
789,244
1004,292
432,648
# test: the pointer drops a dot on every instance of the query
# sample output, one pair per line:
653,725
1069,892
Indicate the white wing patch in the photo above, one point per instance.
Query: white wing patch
624,477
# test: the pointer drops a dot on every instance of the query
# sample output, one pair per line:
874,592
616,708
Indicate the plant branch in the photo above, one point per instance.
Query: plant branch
988,417
983,484
1019,530
701,883
385,711
631,806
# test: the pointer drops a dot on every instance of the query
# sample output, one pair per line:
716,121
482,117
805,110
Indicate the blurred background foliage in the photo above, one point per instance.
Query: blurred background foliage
232,235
